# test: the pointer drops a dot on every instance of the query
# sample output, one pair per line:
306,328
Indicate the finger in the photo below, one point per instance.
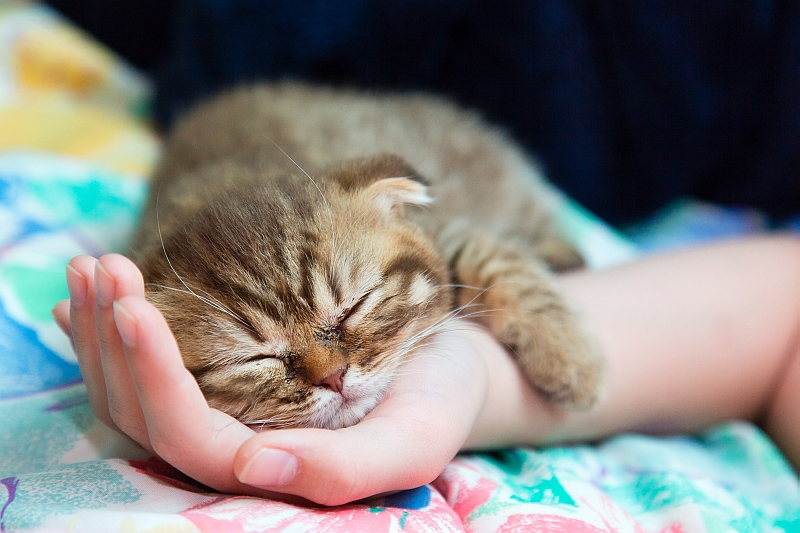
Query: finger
405,442
338,467
60,314
80,281
117,277
183,430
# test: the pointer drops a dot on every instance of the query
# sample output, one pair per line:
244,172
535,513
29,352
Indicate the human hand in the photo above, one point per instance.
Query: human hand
137,384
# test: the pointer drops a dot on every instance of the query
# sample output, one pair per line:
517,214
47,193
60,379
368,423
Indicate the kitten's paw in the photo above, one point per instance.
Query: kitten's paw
560,255
559,359
515,296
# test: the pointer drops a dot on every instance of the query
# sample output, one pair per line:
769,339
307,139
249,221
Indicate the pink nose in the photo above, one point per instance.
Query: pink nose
334,382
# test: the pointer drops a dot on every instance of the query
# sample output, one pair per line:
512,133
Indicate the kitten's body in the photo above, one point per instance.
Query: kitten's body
294,297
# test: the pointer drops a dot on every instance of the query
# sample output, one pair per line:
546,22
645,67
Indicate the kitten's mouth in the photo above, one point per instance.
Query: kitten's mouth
333,410
346,408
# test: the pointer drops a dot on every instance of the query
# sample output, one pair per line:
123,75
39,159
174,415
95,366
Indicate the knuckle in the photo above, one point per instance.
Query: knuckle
84,337
166,449
134,429
119,417
107,346
125,423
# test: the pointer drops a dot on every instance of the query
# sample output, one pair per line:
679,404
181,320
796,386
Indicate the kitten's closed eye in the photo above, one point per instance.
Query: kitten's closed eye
356,307
260,357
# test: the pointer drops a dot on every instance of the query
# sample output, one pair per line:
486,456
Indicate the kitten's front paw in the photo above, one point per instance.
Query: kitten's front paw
515,296
558,358
560,255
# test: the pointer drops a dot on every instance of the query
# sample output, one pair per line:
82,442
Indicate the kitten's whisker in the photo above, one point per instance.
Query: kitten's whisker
410,343
431,354
250,409
443,324
166,287
211,303
453,313
412,353
278,419
208,302
481,290
462,286
409,373
273,422
480,312
225,308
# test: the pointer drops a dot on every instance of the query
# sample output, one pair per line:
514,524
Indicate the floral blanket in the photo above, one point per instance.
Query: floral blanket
73,153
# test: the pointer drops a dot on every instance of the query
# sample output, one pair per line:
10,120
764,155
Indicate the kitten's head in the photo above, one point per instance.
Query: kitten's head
293,302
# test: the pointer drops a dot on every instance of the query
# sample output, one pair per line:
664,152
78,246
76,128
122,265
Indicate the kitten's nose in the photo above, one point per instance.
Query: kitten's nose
335,381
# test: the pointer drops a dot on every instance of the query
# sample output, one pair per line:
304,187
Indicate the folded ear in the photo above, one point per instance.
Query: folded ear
388,178
397,184
400,191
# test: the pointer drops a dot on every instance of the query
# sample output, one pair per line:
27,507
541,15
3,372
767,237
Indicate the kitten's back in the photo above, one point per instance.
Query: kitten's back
477,176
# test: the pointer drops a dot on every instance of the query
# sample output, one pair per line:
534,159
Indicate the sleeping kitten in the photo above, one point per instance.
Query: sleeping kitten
300,241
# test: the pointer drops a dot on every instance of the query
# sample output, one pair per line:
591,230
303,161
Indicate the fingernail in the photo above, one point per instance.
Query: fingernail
76,284
104,286
126,324
269,468
63,327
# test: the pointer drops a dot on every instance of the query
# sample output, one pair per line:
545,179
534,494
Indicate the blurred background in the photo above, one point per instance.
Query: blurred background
644,112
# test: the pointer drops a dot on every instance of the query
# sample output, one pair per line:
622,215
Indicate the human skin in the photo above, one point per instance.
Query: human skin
690,339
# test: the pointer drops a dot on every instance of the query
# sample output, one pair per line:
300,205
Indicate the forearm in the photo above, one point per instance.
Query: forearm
690,339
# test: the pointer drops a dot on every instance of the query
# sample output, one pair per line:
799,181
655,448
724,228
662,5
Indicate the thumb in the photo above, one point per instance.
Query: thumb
336,467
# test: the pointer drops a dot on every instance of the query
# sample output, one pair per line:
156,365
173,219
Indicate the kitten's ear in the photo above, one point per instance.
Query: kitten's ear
397,184
389,179
396,192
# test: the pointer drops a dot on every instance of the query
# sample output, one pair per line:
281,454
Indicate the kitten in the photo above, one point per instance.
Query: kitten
301,241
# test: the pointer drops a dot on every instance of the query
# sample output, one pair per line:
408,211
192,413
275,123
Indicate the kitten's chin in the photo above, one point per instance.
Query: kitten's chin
361,393
331,411
342,410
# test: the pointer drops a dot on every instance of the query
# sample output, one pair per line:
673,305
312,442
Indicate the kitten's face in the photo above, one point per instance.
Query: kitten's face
294,310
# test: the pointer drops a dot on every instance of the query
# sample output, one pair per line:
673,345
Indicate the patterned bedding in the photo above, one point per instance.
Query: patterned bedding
74,147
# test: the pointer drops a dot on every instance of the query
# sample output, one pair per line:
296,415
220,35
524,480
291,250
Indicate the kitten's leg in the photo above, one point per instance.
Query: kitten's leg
517,300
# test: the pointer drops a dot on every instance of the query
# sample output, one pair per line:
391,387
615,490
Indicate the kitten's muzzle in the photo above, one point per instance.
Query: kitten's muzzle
325,366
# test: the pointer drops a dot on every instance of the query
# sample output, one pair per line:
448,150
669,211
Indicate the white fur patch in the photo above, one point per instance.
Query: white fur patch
420,289
359,396
322,291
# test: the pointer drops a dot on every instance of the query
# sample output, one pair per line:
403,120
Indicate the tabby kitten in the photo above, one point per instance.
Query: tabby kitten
301,241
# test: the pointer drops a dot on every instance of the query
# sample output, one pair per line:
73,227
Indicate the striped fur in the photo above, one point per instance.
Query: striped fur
293,254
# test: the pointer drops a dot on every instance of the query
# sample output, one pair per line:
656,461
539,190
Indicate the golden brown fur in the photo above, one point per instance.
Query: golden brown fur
295,296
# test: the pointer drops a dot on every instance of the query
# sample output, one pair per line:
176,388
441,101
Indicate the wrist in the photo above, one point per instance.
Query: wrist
513,413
